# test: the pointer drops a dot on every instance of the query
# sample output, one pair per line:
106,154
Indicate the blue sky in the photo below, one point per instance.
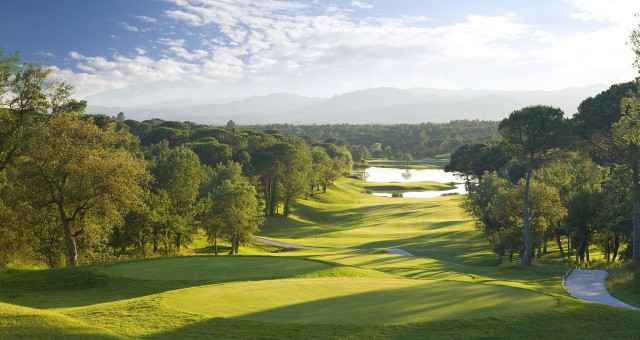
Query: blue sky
124,52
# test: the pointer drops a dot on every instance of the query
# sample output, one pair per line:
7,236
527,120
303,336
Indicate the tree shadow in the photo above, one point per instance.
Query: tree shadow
89,285
352,314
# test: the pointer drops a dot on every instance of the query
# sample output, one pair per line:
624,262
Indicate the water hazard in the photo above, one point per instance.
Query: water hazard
390,175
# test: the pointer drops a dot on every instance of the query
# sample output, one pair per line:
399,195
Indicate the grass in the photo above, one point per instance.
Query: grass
623,282
409,186
356,300
221,268
452,289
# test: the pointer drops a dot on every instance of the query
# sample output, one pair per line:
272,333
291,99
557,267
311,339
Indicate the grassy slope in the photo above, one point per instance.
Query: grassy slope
451,249
409,186
624,283
346,218
357,300
23,322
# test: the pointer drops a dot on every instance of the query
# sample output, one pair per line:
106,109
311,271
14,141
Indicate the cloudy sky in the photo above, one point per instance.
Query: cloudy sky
150,50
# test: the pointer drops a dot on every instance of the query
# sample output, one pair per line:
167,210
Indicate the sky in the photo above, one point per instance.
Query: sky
124,52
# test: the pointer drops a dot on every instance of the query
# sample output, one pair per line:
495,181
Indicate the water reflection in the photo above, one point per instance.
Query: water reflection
406,175
389,175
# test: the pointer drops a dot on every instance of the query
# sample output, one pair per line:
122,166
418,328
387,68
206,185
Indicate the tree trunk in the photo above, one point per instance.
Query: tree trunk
560,246
578,251
499,260
526,234
155,239
544,245
539,256
636,220
511,257
72,250
236,245
178,241
586,251
616,246
215,246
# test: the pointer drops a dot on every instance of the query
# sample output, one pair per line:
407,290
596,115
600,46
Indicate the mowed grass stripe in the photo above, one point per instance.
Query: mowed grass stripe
356,300
219,268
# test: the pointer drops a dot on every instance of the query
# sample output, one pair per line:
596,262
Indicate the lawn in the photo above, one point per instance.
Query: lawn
451,289
357,300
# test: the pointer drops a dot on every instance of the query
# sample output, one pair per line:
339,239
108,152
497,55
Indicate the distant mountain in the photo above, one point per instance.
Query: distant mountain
383,105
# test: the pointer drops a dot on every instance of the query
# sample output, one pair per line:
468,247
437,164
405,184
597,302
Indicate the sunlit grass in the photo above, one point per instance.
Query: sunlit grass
334,295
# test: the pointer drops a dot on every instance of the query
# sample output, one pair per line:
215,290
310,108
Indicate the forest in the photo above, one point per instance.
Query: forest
392,141
576,177
82,188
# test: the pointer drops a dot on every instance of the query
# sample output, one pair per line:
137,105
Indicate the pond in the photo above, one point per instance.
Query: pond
388,175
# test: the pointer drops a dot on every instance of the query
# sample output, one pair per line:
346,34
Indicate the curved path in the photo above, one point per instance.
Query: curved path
588,285
289,245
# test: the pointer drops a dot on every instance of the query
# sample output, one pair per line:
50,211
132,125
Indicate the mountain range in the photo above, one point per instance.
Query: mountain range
384,105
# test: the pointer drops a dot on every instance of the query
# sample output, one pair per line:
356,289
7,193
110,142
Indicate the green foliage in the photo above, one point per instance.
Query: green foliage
210,152
406,158
473,160
177,172
81,170
420,140
533,131
530,134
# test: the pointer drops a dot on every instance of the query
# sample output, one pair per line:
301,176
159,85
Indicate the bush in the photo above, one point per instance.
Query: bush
397,194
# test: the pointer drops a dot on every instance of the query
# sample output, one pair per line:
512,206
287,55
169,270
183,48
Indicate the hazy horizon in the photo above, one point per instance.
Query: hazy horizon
137,52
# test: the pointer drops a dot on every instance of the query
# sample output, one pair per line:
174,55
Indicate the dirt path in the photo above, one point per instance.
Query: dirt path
289,245
588,285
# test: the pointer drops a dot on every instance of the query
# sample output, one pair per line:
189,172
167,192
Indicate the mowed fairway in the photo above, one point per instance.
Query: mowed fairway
357,300
450,289
221,268
347,218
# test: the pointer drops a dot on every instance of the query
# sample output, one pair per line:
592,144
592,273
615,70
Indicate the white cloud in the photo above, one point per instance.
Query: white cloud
316,49
614,11
133,28
361,4
129,27
46,54
171,42
146,18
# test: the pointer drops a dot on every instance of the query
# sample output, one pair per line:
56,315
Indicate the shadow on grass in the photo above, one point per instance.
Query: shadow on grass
88,285
569,321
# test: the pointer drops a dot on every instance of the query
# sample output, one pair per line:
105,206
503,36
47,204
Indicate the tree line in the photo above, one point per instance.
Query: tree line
76,187
554,179
392,141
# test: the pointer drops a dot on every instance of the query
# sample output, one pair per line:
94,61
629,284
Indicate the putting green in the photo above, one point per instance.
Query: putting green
223,268
356,300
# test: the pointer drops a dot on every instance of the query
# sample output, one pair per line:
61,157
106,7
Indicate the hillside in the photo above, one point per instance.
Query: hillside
383,105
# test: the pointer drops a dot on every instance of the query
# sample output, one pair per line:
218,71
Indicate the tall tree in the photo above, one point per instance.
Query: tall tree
177,172
81,170
627,132
26,91
610,137
530,134
233,211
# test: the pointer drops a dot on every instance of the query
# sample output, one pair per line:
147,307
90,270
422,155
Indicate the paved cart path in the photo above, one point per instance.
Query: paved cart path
290,245
588,285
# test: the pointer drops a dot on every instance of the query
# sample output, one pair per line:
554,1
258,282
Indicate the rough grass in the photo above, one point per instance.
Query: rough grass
623,282
26,323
